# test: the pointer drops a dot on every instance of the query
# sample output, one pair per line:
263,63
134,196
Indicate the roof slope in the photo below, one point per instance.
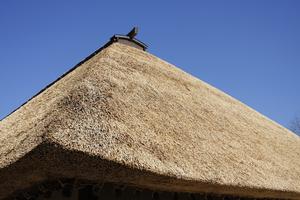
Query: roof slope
125,115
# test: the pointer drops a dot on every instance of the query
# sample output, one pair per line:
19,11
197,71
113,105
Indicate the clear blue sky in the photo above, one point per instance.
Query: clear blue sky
249,49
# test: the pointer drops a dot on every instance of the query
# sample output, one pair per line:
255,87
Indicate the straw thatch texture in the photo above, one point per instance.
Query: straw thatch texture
125,115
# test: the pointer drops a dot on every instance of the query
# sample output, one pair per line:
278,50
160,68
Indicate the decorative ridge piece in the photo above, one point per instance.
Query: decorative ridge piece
130,39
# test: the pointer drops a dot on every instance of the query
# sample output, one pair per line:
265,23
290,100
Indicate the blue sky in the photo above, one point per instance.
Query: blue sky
249,49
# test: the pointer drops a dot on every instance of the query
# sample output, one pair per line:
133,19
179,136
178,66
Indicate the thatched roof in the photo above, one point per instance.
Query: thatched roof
126,116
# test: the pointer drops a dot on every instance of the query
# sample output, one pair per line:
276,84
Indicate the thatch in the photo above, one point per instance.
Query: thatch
126,116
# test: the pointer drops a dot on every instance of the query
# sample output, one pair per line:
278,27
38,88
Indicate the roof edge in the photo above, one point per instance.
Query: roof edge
51,160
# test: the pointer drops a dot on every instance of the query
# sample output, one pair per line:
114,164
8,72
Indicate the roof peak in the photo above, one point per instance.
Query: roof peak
129,39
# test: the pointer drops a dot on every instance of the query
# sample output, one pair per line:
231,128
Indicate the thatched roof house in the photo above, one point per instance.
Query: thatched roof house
124,118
